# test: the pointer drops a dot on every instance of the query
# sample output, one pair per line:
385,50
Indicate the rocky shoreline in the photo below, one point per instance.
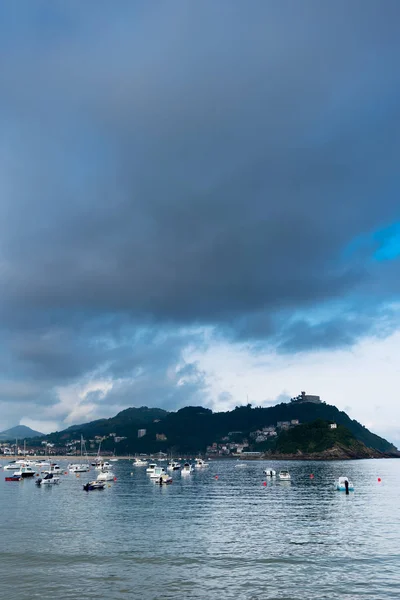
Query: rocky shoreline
337,452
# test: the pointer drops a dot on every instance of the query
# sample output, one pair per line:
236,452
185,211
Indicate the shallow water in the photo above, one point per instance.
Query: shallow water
206,538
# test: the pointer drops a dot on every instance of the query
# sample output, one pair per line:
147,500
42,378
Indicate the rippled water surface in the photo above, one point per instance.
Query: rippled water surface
204,537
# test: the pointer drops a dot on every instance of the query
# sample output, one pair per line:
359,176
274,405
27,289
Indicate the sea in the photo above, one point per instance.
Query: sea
221,533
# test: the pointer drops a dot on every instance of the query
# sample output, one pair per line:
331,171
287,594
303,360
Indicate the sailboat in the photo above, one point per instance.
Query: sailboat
98,459
80,467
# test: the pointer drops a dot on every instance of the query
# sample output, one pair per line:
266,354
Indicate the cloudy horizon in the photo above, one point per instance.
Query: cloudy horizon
199,206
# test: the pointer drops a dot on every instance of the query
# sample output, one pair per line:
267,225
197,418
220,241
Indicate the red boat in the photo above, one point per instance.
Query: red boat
14,478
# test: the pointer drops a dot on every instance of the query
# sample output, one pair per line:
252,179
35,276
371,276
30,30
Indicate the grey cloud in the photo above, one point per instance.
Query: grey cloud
203,164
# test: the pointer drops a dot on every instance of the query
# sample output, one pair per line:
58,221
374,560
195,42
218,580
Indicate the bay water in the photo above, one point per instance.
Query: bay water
216,534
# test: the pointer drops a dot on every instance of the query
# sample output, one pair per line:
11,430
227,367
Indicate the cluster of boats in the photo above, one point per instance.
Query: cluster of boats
50,472
25,468
342,484
161,475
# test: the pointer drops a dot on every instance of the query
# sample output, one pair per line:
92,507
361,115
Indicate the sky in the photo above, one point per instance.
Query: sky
199,205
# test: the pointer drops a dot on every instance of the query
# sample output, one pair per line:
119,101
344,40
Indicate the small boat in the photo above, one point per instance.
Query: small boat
42,465
151,467
270,473
53,469
25,472
102,466
15,464
13,478
342,483
284,475
113,459
12,466
157,473
106,476
79,468
186,469
49,479
165,479
199,463
173,466
139,462
94,485
240,465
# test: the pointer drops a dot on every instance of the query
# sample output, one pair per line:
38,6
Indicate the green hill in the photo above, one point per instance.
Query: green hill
316,437
193,428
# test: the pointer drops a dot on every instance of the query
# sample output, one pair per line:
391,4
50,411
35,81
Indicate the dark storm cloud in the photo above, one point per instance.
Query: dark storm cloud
190,164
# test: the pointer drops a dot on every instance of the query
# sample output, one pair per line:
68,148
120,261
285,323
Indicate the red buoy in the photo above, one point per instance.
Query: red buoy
379,479
311,476
115,479
216,477
264,483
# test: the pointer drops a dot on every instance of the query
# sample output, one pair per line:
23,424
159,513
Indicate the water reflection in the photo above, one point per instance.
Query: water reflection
203,537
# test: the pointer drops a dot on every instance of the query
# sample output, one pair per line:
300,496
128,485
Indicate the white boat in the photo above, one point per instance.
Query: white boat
94,485
54,469
199,463
15,464
79,468
12,466
24,472
48,479
165,479
341,486
139,462
284,475
82,467
270,473
113,459
240,465
186,469
151,467
42,464
173,466
104,465
106,476
157,473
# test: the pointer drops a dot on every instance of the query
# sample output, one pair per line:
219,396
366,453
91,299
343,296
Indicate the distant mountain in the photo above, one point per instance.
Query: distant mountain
20,431
191,429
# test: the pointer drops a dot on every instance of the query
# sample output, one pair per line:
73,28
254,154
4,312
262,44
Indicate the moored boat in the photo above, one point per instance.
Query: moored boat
48,479
13,478
186,469
173,466
284,475
94,485
199,463
269,473
106,476
343,484
151,467
157,473
25,472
